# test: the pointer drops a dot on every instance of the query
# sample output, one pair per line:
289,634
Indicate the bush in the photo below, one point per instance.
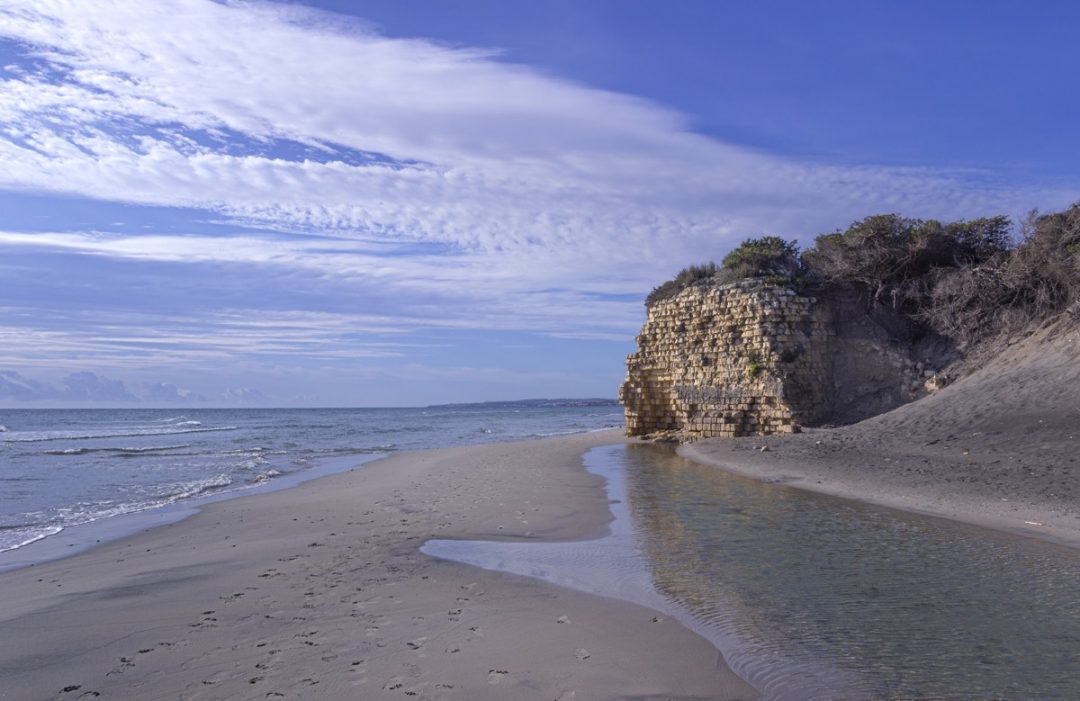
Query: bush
979,240
686,277
1039,279
768,256
897,259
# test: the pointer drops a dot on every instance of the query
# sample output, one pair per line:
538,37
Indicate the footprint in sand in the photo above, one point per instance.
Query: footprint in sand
498,676
125,665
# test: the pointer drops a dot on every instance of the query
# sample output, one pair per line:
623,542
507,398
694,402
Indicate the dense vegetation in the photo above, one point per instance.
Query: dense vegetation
965,280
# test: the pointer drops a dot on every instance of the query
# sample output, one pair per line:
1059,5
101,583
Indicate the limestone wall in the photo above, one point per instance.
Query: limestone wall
752,359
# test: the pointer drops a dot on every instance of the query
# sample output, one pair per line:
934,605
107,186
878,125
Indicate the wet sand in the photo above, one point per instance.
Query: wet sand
320,592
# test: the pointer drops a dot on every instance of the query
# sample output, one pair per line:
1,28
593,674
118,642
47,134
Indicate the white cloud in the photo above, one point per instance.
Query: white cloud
503,158
88,340
462,285
544,197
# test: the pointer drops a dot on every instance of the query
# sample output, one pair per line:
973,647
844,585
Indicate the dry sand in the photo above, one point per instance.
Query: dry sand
319,592
1000,448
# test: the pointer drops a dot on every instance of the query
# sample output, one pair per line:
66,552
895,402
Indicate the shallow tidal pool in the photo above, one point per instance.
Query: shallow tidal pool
814,597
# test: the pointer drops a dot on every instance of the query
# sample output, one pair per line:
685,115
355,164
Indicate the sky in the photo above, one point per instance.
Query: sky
408,202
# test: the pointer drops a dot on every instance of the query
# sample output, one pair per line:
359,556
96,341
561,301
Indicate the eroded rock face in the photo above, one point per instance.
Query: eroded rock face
749,358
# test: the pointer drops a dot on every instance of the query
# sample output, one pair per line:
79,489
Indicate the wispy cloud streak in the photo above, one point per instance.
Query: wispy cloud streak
484,155
453,187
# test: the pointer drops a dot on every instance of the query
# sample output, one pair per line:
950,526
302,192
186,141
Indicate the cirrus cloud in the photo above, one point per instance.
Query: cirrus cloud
456,188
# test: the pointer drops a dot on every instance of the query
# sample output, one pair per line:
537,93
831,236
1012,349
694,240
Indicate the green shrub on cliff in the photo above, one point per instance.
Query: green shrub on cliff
685,278
897,258
768,256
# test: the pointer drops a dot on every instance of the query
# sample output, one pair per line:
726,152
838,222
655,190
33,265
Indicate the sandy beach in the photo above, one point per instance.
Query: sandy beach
319,592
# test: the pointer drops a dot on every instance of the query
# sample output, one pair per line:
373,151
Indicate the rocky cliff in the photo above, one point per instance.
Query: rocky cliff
751,358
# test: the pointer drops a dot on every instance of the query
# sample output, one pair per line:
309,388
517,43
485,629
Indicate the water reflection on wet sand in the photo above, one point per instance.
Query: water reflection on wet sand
810,596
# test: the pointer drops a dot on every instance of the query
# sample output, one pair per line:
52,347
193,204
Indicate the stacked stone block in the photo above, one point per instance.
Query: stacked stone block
741,359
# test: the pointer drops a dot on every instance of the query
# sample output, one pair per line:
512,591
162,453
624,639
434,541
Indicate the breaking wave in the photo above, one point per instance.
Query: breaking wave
42,436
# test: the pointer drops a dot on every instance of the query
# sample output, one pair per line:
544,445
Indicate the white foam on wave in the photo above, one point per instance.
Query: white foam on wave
264,477
41,436
254,450
149,448
194,489
32,535
84,513
119,451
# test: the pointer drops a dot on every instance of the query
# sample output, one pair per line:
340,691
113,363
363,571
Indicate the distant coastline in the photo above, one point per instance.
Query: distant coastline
531,402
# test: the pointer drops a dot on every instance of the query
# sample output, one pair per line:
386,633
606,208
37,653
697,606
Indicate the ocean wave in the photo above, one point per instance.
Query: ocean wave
177,421
18,526
200,487
263,477
385,448
254,450
88,512
120,451
33,535
42,436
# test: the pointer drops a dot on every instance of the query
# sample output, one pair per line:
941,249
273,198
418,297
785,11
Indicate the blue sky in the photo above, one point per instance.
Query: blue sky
401,202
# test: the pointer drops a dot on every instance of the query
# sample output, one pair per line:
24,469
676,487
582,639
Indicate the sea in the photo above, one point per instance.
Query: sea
62,469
